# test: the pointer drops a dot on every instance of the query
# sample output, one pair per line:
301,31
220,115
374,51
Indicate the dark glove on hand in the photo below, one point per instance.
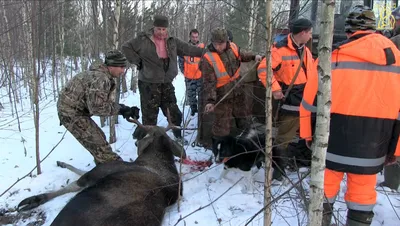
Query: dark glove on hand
125,111
135,112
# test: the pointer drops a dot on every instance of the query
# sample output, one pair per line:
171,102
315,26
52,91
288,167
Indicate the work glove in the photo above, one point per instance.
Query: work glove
128,112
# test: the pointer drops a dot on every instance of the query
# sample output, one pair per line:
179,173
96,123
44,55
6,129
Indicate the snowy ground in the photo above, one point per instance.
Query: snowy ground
200,188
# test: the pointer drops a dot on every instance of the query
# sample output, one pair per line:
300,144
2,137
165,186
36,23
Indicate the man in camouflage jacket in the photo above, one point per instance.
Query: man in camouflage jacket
90,93
232,105
155,55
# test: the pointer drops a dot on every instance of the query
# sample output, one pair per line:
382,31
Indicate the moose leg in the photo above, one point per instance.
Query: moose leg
37,200
71,168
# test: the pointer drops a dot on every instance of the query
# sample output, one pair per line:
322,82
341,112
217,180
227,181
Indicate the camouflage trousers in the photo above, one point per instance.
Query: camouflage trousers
193,87
228,109
158,95
89,134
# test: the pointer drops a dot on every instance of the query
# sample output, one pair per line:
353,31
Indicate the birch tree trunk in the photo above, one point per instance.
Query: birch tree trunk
63,76
268,116
252,23
105,21
323,113
114,119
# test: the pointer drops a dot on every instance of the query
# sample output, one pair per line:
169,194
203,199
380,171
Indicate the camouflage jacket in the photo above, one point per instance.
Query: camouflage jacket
89,93
142,52
231,63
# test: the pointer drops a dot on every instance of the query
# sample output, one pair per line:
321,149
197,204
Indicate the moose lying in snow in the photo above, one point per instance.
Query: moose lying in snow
122,193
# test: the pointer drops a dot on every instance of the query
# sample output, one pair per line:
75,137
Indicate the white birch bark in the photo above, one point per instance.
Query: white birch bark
268,117
323,113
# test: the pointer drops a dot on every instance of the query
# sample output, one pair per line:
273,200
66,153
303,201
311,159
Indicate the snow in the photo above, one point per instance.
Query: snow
200,188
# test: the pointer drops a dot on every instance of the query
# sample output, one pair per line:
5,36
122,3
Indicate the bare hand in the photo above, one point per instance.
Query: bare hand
258,58
278,95
209,108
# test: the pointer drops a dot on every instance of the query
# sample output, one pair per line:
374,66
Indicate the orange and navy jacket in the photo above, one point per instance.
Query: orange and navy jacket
285,61
222,75
190,65
365,104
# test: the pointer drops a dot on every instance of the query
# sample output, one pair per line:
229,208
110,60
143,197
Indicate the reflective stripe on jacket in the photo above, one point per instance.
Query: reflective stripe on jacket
365,104
285,61
222,75
191,66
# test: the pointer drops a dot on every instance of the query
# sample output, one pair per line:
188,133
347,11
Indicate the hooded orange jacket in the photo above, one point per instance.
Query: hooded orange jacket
365,96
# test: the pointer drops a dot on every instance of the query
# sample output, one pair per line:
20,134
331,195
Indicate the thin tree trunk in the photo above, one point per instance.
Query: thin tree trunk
35,83
323,113
268,117
114,119
95,15
54,75
63,75
105,21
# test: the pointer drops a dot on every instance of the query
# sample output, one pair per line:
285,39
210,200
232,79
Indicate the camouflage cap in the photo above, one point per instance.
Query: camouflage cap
360,18
115,58
396,13
219,35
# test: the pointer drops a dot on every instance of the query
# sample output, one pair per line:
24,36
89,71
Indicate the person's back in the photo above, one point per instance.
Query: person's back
72,100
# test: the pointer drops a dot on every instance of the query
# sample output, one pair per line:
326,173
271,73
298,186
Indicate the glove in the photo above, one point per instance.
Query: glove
125,111
390,160
135,112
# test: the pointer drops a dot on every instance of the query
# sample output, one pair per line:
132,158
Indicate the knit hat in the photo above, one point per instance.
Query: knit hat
115,58
160,21
219,35
360,18
300,25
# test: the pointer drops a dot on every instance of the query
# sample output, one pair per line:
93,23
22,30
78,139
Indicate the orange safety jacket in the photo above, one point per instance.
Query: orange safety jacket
223,77
285,61
365,104
191,66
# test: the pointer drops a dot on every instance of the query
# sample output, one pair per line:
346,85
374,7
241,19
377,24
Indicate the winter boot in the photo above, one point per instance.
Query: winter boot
279,156
392,176
327,214
178,137
359,218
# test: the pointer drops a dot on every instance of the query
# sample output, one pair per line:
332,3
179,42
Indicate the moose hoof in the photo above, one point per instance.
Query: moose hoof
31,202
61,164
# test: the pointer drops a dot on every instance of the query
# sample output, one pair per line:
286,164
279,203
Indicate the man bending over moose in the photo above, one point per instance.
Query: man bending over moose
91,93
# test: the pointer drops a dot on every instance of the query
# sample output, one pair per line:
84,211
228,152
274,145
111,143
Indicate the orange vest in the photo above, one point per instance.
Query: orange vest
223,77
285,62
191,66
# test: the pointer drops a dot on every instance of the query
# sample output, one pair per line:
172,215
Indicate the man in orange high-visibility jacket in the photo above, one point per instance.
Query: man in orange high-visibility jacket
189,66
364,124
285,62
220,70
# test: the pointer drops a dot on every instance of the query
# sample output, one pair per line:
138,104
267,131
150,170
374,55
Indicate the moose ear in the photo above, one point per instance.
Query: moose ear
144,143
175,148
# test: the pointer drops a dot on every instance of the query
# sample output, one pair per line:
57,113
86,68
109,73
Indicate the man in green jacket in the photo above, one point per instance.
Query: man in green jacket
155,54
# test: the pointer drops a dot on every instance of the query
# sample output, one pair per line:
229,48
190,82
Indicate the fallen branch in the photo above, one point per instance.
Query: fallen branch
19,179
209,204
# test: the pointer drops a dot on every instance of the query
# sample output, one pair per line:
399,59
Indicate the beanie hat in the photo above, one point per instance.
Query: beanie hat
160,21
300,25
115,58
219,35
360,18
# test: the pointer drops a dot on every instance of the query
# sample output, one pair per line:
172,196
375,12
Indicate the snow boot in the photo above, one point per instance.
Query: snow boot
359,218
193,110
392,176
327,214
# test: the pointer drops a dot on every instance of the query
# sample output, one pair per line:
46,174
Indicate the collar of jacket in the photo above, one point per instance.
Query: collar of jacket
292,44
103,68
212,49
198,42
